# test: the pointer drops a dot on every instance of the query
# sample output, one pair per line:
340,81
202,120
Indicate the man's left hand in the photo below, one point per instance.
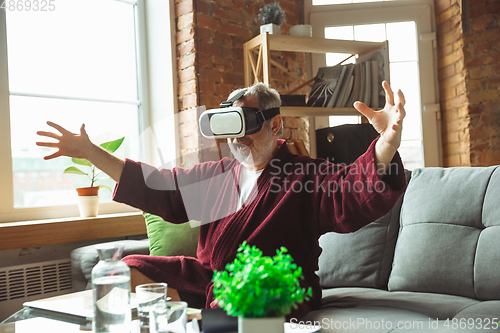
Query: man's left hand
388,122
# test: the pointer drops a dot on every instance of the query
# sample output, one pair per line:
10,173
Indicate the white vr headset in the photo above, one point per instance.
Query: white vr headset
233,122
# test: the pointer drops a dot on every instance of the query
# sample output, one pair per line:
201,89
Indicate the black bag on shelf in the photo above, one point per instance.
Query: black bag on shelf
345,143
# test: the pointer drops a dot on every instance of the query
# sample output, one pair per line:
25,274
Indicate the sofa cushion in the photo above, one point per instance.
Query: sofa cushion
450,231
373,310
487,276
168,239
431,305
362,258
485,309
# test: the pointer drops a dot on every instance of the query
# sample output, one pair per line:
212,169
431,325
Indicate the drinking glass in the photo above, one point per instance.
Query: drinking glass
147,296
169,317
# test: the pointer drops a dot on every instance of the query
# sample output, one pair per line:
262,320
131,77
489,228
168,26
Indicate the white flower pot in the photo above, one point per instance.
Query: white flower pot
88,205
261,325
271,28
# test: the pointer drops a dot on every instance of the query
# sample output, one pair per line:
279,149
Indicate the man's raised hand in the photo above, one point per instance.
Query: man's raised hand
79,146
388,122
70,144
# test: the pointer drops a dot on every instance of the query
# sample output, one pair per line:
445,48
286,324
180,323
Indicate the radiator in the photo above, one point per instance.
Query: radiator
22,283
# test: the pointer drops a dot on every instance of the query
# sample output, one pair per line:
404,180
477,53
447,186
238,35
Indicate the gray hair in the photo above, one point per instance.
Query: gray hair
266,98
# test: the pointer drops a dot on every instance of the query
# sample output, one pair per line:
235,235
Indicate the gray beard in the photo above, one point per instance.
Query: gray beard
244,156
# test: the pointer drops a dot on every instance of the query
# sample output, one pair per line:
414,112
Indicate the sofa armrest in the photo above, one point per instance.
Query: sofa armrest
83,259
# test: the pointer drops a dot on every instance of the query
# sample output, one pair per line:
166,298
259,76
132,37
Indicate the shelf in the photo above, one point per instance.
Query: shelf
303,111
257,52
313,44
258,62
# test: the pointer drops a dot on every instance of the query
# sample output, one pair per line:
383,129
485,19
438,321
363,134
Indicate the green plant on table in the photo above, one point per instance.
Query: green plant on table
94,173
259,286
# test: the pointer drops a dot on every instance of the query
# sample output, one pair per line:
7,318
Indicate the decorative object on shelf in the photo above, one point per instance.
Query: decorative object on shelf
271,28
341,85
326,83
271,17
376,65
88,198
259,290
297,147
304,30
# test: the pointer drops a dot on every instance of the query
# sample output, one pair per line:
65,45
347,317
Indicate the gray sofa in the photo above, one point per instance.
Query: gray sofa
83,259
431,265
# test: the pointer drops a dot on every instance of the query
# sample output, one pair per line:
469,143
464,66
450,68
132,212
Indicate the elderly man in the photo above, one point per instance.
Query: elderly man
266,196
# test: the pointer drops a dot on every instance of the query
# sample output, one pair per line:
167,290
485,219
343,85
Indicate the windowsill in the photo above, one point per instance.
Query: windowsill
18,235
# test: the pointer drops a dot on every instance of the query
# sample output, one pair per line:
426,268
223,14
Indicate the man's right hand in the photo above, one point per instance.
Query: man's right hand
79,146
70,144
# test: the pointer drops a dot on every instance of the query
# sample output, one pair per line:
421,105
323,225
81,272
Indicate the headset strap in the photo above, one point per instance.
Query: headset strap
264,115
236,97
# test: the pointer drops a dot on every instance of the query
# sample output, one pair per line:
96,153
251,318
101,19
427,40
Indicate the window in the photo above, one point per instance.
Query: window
407,26
84,61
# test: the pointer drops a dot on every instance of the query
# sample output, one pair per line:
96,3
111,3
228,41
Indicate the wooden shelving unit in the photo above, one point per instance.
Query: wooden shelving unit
258,62
304,111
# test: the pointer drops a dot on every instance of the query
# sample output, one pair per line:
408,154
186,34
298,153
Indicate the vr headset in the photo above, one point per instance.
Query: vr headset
233,122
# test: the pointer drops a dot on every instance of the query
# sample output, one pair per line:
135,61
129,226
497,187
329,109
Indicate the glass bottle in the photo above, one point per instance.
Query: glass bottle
111,285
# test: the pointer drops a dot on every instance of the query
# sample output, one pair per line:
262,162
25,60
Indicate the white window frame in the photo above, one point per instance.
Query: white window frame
158,75
420,11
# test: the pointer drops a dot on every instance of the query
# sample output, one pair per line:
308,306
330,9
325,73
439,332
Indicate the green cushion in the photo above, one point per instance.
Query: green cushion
168,239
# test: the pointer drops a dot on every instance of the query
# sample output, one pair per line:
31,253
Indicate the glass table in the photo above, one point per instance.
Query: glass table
26,321
46,325
40,324
29,320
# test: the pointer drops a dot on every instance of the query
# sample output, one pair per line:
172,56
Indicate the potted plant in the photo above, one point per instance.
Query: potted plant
271,16
259,290
88,198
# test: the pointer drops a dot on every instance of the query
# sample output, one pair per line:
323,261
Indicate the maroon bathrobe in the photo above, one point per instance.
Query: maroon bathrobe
296,200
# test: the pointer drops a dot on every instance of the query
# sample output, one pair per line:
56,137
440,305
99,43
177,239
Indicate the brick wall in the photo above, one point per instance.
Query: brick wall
482,63
210,38
451,74
187,82
469,80
209,48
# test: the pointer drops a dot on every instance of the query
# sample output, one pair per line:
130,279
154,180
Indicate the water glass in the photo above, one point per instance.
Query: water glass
148,295
169,317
